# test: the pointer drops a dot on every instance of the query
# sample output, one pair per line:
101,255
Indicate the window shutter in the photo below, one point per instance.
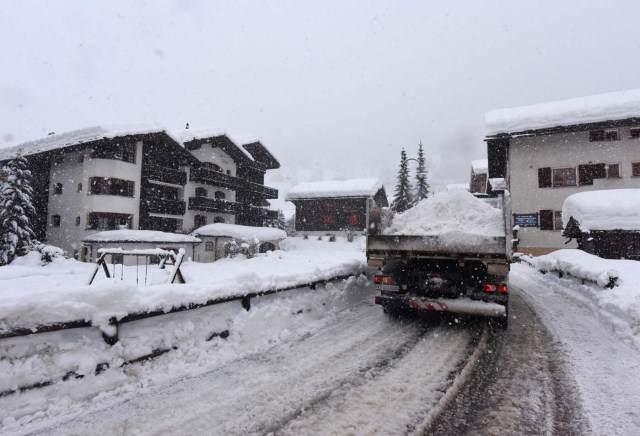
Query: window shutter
131,189
544,177
546,219
599,171
585,174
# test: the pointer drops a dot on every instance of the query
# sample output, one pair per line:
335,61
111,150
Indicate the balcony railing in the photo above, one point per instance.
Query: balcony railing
163,174
216,178
169,207
205,204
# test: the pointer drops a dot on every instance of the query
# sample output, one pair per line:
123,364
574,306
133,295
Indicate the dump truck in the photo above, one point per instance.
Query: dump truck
463,274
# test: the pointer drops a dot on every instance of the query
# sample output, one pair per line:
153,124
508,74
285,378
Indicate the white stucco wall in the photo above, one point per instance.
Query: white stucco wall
72,203
213,155
528,154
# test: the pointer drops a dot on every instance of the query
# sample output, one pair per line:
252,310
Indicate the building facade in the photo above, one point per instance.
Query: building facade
142,178
338,206
544,158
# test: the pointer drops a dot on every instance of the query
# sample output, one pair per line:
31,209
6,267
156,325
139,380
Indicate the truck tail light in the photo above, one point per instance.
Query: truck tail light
503,288
489,287
382,280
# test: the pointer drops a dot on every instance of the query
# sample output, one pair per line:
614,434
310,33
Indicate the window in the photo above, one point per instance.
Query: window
611,135
557,220
563,177
588,172
604,135
613,171
220,195
208,246
218,219
635,169
229,172
199,221
124,151
77,221
544,177
79,187
201,192
57,189
108,221
634,132
55,220
108,186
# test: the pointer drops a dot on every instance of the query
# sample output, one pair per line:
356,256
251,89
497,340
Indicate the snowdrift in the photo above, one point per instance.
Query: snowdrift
607,209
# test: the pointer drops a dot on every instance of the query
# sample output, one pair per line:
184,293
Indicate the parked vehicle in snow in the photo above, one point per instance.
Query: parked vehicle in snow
450,253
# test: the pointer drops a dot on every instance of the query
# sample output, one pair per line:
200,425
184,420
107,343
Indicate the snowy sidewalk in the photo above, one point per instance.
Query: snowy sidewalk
33,295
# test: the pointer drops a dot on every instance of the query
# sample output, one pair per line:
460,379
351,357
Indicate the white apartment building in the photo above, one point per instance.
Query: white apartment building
547,152
143,178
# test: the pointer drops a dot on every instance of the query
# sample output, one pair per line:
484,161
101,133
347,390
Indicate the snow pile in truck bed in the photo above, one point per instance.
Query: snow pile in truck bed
454,216
609,209
591,109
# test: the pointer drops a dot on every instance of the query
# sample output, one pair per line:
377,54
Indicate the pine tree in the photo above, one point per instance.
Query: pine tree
422,186
402,197
16,208
281,221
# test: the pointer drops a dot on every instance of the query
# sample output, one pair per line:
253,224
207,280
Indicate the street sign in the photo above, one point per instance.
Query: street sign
525,219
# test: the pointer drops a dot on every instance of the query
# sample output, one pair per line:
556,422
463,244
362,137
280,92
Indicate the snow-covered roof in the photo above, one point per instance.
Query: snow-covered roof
480,166
126,235
607,209
187,135
595,108
335,188
80,136
498,184
241,232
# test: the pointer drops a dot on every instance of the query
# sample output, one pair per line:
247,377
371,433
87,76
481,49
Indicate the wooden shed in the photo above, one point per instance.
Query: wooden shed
332,207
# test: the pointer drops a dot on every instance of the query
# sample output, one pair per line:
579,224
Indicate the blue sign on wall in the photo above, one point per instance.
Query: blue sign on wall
525,219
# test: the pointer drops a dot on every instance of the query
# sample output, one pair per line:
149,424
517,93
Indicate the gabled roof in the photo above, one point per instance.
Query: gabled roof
576,111
76,137
335,188
257,150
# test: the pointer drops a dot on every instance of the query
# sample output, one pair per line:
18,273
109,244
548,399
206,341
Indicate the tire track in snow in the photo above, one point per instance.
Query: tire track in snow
251,395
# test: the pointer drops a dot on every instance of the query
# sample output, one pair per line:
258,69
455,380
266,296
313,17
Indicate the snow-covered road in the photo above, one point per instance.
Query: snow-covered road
362,373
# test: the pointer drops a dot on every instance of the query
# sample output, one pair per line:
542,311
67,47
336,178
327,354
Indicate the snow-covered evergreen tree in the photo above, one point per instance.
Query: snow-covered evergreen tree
16,209
402,197
422,186
281,222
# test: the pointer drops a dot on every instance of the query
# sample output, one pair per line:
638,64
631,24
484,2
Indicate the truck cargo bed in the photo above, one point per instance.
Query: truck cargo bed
475,246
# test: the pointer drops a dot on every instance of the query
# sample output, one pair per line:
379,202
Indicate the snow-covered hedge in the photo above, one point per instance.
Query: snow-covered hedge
577,264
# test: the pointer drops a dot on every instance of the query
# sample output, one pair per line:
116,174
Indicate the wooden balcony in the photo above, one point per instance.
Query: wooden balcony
164,174
169,207
205,204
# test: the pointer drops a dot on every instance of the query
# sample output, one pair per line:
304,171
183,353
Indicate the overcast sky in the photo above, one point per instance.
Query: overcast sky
334,89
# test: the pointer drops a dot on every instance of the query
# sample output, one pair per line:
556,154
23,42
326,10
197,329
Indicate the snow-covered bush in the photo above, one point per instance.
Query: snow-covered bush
48,252
247,249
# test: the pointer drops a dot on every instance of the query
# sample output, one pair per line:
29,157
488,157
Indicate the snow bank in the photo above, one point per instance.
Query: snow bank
32,295
576,263
455,216
345,188
241,232
619,305
452,186
609,209
126,235
603,107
